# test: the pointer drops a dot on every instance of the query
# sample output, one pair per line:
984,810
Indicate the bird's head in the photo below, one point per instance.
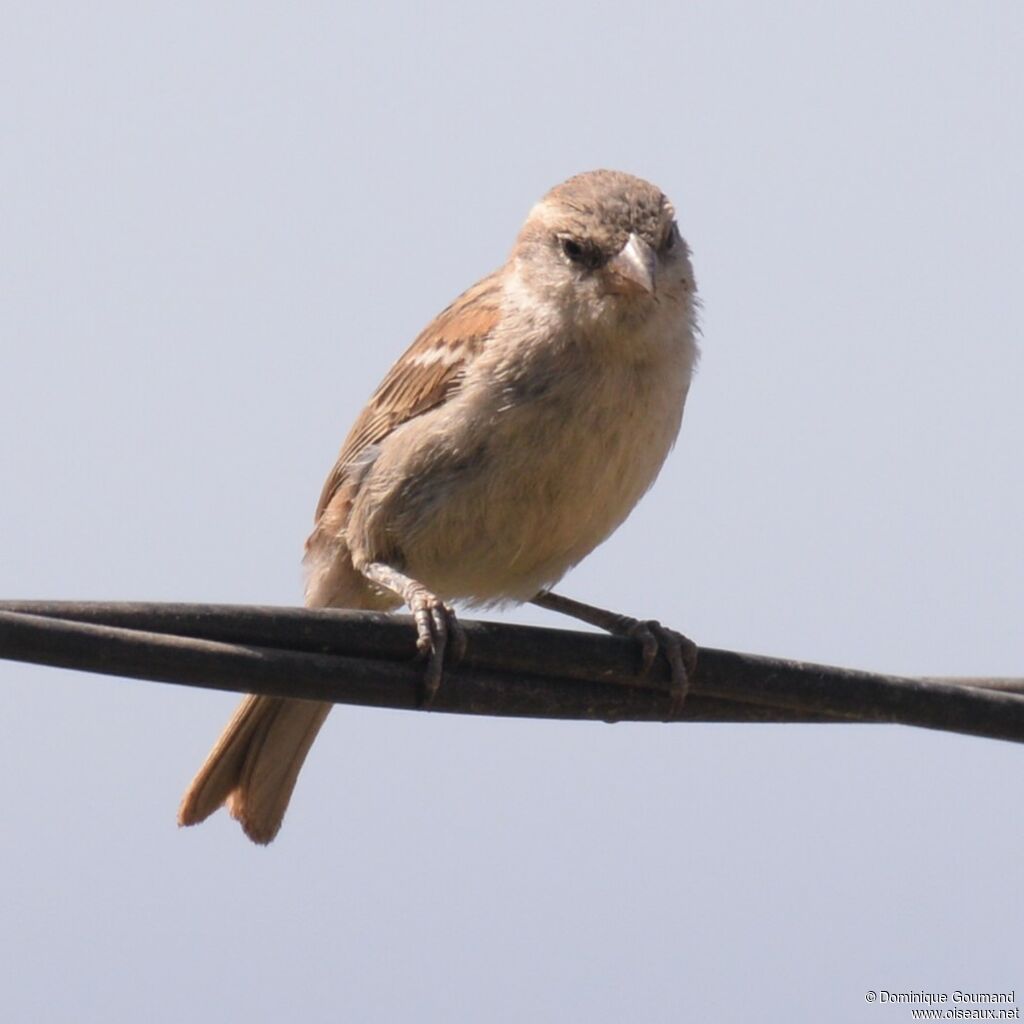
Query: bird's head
604,249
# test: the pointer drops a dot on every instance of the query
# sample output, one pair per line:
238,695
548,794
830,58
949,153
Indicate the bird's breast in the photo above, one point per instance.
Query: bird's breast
533,466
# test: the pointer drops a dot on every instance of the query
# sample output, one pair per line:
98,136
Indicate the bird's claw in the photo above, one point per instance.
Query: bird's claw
680,653
438,631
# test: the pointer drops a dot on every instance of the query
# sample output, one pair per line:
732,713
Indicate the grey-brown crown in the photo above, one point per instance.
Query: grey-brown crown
604,207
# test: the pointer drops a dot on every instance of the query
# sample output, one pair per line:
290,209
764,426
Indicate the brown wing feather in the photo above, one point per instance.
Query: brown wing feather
425,376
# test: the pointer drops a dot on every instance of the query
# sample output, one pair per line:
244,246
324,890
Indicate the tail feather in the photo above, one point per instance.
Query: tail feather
254,764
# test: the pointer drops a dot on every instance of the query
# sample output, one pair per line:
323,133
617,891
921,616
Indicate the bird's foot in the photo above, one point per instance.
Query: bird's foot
438,631
680,652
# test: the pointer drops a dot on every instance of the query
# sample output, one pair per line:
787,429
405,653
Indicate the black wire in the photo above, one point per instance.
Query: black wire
367,658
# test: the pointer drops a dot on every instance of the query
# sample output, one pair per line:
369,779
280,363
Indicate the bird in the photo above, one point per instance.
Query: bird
513,436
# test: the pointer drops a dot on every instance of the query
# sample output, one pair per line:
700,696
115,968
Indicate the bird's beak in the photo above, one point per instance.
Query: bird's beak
633,271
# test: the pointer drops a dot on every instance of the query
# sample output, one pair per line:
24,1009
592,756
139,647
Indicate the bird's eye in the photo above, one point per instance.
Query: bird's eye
573,250
670,239
582,254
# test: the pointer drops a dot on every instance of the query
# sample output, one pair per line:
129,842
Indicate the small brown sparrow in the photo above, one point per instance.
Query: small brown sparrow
513,436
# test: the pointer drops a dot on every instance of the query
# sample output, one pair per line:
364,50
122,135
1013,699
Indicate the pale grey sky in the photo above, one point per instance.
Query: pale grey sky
207,211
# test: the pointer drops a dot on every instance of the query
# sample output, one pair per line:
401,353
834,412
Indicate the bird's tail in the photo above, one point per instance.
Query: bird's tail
254,764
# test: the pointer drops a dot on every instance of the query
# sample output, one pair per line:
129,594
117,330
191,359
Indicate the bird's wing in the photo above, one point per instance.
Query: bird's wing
429,372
